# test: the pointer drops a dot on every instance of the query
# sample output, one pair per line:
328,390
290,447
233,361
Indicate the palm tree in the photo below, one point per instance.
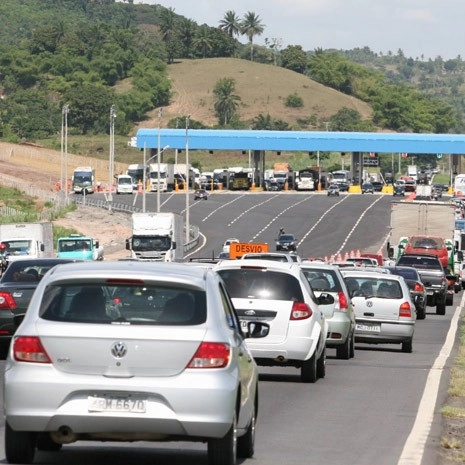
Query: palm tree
187,29
226,100
168,24
203,40
252,26
231,24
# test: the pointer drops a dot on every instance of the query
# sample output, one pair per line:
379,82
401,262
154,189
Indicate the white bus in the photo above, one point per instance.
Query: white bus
459,184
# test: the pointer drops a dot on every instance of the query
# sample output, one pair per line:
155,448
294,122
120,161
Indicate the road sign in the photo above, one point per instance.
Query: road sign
370,161
237,249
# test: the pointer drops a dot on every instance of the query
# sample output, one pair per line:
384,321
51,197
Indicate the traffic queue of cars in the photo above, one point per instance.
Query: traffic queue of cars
86,345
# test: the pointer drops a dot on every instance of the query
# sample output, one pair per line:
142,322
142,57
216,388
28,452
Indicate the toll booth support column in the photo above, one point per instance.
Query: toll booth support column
258,163
356,168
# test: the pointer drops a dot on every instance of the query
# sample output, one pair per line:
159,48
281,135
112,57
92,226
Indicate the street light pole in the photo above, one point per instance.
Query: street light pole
187,178
160,113
144,180
112,153
65,115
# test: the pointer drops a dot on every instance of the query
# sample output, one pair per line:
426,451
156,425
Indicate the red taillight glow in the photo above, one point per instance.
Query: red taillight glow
405,310
211,355
29,349
300,311
7,301
418,287
343,305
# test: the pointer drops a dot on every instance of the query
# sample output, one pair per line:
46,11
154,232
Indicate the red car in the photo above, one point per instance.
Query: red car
431,245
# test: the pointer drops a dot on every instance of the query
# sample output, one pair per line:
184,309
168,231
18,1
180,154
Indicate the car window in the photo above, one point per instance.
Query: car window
323,280
261,284
123,304
228,307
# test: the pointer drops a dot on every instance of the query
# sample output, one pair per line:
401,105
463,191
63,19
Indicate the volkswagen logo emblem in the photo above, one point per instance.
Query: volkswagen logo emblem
119,349
369,303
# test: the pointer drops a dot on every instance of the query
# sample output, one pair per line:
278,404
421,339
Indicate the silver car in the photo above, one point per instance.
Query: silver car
340,314
384,310
127,351
279,294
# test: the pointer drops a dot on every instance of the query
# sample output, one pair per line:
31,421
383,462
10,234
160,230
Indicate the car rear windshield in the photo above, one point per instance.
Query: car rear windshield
124,304
405,272
420,262
323,280
261,284
373,287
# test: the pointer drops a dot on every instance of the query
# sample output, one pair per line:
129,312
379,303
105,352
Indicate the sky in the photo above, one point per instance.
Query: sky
422,29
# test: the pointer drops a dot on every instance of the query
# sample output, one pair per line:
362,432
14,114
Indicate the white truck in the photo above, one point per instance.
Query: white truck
304,180
157,237
136,171
31,240
166,181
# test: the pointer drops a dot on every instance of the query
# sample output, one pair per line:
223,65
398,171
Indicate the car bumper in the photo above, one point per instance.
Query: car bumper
389,332
201,405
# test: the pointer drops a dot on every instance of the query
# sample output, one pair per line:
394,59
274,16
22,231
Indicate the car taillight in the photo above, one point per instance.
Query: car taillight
405,310
7,301
343,305
29,349
300,311
211,355
418,287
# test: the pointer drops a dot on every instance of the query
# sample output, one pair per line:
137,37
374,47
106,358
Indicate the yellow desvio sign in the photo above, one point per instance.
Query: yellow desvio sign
237,249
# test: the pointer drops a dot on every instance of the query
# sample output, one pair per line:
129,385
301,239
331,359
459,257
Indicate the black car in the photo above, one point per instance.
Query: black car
17,285
200,194
343,186
415,285
367,188
398,190
378,186
286,242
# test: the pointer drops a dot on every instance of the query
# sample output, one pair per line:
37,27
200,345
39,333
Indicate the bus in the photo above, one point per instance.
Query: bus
84,180
459,184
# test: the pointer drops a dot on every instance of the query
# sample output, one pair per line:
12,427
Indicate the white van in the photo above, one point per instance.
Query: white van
124,184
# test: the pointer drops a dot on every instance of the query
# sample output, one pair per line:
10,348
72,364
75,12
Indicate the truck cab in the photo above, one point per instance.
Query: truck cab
79,247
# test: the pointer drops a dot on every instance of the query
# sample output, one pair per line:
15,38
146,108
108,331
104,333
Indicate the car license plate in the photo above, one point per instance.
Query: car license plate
367,327
127,404
429,292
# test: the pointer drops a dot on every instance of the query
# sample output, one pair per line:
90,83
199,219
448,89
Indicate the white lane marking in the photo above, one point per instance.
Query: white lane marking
414,447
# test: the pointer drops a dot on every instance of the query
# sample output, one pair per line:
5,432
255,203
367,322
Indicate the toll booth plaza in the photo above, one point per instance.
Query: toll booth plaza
237,249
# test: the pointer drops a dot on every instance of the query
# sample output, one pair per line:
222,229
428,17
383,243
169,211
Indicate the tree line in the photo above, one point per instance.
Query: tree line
85,60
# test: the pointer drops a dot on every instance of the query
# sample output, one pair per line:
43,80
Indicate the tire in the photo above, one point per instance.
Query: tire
449,300
308,370
343,350
223,451
441,309
20,446
421,313
246,443
46,443
321,365
407,346
352,345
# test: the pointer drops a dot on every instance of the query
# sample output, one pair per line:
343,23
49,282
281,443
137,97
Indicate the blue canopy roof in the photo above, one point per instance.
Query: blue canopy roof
208,139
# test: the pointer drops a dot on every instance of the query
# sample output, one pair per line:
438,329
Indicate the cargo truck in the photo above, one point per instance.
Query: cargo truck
83,180
157,237
28,240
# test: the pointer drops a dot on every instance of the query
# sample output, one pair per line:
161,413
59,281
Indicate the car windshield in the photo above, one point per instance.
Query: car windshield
261,284
286,238
123,304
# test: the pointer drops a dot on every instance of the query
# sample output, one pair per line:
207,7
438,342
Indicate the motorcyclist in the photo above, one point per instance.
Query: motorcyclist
281,232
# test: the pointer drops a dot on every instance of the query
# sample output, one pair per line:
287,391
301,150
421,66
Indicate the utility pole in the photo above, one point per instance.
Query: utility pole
111,166
187,178
160,113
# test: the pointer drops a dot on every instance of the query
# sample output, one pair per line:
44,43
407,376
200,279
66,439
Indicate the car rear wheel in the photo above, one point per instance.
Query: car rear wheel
246,443
421,313
223,451
308,370
407,346
20,446
321,365
352,345
449,299
441,309
343,351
